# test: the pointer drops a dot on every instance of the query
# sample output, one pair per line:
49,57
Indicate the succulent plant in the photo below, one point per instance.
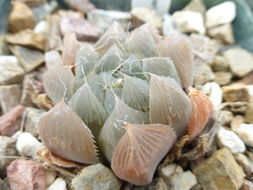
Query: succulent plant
128,99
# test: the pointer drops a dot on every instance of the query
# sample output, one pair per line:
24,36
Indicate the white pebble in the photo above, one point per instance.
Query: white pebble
245,132
59,184
220,14
170,169
189,21
214,92
230,140
8,59
42,27
28,145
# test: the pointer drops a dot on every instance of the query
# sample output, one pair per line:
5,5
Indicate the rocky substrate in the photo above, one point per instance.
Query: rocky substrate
220,159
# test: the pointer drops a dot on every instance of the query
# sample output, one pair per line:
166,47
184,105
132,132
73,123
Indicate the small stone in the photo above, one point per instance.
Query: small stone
214,92
11,71
156,184
235,107
240,61
216,15
26,174
223,78
162,7
28,38
3,185
53,58
28,145
54,36
81,5
235,93
10,122
236,122
247,185
7,152
245,132
103,19
202,74
220,171
245,163
31,87
204,47
43,10
181,181
220,63
230,140
169,170
31,124
3,46
21,17
85,31
249,113
59,184
50,177
189,22
42,27
9,97
197,6
96,177
224,33
141,15
168,28
30,59
226,117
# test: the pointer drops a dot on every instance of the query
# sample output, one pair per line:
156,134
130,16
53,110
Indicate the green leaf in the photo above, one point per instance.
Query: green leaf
113,128
87,106
135,93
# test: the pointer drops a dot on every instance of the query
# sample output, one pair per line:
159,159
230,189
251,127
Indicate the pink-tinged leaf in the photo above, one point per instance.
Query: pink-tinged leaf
202,109
114,35
169,104
70,48
59,83
66,136
113,128
140,150
179,49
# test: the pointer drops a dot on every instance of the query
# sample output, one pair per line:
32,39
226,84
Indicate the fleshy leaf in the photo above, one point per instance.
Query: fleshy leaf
135,93
98,83
59,83
178,48
161,66
113,128
114,35
110,96
139,151
66,136
169,104
70,48
202,109
141,43
86,60
89,109
133,67
111,60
